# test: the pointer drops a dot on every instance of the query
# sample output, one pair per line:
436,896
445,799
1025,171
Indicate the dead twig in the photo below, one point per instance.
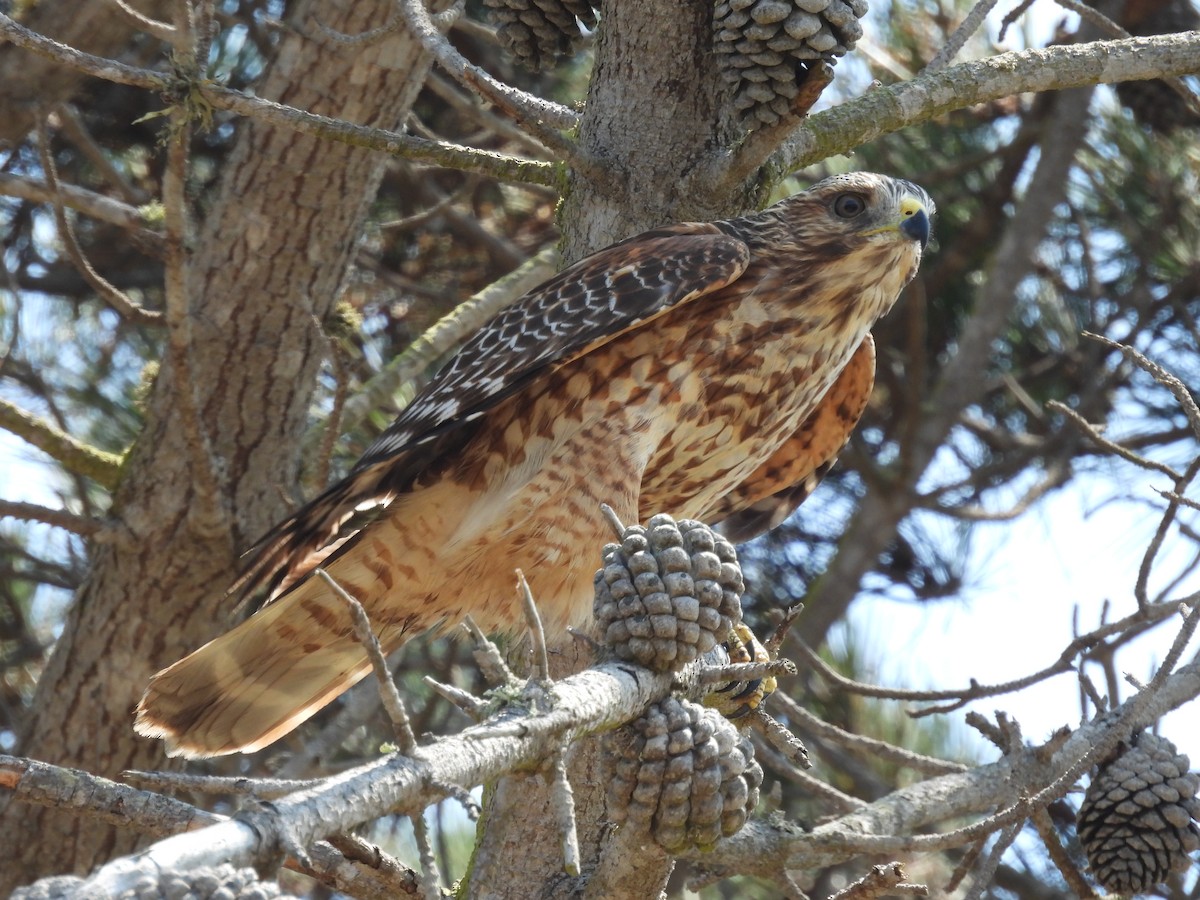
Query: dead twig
388,694
114,296
541,659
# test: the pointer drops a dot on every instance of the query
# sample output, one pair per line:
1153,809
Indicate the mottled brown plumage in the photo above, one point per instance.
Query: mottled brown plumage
711,371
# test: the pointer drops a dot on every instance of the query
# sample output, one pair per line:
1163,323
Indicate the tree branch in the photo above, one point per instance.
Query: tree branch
32,512
116,298
886,109
358,869
407,146
442,153
96,66
594,700
762,848
74,455
98,206
533,111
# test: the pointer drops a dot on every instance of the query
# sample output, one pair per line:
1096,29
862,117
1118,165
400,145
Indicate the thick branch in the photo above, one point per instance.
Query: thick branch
359,869
30,781
884,110
75,456
32,512
594,700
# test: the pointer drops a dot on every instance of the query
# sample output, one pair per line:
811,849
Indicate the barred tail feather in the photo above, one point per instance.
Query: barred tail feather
255,684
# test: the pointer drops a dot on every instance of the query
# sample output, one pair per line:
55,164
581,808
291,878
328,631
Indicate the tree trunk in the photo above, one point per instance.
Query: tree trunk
267,266
657,111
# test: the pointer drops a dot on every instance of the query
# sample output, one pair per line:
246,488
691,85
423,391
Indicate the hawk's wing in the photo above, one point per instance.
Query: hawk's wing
583,307
773,491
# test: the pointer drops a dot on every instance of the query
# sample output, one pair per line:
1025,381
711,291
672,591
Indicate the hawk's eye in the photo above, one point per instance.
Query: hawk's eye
847,206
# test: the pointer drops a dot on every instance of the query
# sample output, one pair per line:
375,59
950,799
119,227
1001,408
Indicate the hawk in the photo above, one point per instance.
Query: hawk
709,370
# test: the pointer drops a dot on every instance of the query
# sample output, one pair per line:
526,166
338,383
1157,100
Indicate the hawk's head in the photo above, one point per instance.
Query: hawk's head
858,235
857,209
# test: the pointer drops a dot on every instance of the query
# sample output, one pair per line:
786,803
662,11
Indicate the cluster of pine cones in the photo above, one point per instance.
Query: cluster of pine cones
682,773
765,48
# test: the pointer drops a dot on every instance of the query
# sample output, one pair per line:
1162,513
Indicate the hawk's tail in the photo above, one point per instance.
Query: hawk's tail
292,549
255,684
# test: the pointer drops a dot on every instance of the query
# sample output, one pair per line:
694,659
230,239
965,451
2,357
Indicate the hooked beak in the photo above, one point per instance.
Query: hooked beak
914,222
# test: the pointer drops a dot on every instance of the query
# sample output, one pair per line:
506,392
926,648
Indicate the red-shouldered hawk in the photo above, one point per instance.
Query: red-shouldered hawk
711,371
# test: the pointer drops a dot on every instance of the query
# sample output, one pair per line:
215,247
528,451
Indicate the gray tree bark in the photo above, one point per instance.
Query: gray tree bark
267,267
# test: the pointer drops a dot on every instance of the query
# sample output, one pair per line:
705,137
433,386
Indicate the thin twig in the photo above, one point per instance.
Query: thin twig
462,795
163,31
428,870
1141,586
1177,388
541,659
860,745
74,129
960,696
964,865
746,671
983,877
470,106
958,39
363,38
98,206
386,877
115,297
487,656
1182,501
882,881
562,801
534,112
401,725
610,516
780,738
1011,17
504,167
1112,447
774,641
204,29
464,700
96,66
1059,856
837,802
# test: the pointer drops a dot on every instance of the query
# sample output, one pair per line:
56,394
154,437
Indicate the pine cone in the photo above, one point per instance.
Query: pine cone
667,593
1136,822
684,774
766,47
540,31
739,698
222,882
